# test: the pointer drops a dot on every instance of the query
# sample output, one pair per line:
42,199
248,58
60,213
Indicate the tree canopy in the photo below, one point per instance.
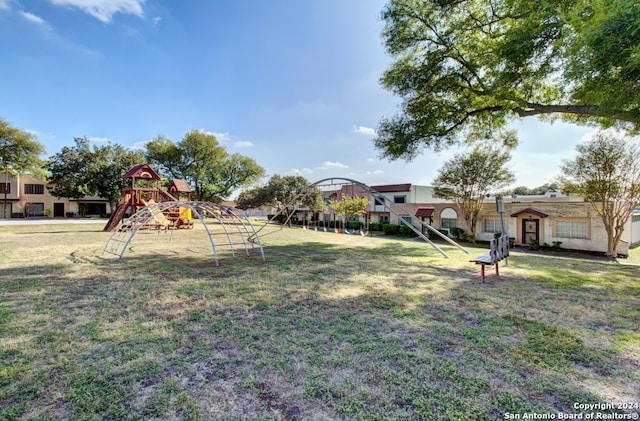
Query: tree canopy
469,177
211,171
606,172
350,206
280,192
19,149
80,170
465,68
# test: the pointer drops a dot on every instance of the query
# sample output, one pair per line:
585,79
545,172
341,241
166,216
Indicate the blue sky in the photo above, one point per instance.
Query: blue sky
293,84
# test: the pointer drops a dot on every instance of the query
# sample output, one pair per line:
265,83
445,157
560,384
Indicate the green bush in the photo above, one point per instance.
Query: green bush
354,225
375,226
458,233
391,229
406,230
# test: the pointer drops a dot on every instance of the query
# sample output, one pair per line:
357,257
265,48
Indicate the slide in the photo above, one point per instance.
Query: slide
116,216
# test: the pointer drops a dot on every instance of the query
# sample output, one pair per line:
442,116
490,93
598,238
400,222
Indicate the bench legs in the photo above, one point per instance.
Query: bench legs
482,271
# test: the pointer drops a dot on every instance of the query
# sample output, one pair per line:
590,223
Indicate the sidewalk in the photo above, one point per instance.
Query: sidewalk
52,221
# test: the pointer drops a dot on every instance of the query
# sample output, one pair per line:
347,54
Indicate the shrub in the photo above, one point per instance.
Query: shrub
391,229
458,233
406,230
69,214
375,226
354,225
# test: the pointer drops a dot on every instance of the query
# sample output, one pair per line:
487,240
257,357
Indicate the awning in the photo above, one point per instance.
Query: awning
424,212
530,211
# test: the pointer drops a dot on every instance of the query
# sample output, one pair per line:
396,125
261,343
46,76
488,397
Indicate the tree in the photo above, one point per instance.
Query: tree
525,191
80,170
349,206
211,171
465,68
469,177
19,149
280,192
606,173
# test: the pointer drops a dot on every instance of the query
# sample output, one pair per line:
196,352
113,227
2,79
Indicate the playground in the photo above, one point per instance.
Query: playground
328,326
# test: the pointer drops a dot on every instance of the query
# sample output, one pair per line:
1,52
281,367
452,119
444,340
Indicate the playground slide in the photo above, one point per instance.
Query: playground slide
116,216
160,218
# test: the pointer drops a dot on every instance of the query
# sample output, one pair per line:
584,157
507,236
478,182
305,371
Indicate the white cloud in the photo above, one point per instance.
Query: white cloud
296,171
103,10
375,172
96,139
157,20
364,130
326,165
35,19
4,4
243,144
138,146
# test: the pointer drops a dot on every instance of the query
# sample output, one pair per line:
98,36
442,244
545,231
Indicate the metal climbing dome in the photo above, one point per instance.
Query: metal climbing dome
227,228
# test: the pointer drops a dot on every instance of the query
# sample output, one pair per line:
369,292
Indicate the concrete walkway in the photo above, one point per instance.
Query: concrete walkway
52,221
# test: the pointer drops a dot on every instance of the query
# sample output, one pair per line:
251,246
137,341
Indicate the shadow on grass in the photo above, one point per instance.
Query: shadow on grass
315,331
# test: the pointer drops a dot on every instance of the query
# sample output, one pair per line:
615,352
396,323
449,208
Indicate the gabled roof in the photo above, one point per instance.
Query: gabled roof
179,185
530,211
142,171
424,212
390,188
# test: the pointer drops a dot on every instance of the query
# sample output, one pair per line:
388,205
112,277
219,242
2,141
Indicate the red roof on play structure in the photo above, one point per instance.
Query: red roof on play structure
142,171
179,185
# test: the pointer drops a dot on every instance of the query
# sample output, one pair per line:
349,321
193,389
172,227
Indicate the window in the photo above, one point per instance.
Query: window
379,201
572,229
448,223
5,188
34,189
384,219
399,199
406,218
635,218
35,209
491,225
448,218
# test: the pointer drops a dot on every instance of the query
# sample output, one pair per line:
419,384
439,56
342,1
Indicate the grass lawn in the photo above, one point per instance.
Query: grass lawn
328,327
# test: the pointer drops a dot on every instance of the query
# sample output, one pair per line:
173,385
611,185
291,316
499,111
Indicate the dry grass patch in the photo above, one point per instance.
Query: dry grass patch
329,327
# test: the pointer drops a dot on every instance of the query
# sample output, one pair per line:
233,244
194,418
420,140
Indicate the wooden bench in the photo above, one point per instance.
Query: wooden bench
498,250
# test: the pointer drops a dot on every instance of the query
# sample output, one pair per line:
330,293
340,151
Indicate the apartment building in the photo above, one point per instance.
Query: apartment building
25,195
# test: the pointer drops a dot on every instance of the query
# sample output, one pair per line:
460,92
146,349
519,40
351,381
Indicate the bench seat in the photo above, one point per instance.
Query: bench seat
498,250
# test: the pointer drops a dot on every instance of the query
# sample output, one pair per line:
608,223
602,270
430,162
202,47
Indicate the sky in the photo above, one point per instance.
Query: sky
293,84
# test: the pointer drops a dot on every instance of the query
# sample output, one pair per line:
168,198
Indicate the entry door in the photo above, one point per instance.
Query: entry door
530,230
58,210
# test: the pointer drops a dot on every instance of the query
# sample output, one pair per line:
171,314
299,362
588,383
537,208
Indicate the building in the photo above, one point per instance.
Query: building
26,195
553,218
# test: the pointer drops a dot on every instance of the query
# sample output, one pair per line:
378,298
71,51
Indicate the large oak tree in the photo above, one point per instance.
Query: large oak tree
19,149
85,170
199,158
465,68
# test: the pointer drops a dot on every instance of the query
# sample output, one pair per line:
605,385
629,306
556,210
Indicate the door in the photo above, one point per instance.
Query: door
58,210
530,230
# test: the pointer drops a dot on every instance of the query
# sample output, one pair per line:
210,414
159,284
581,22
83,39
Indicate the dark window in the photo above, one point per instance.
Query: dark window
399,199
379,201
34,189
35,209
5,188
